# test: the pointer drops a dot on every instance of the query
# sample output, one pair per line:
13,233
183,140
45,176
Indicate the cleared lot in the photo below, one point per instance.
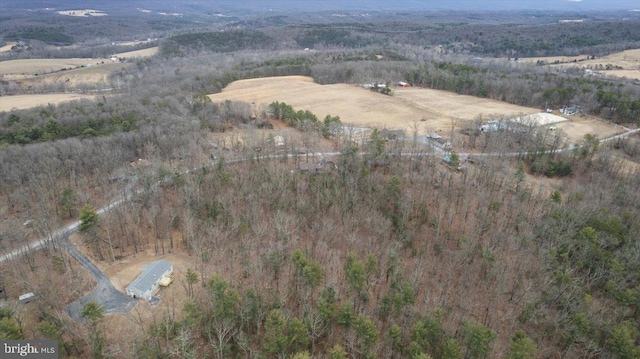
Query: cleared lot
87,75
139,53
408,109
27,68
628,60
70,72
7,47
578,126
36,68
20,102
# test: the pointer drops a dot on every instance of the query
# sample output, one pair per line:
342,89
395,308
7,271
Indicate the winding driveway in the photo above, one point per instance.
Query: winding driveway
105,294
111,299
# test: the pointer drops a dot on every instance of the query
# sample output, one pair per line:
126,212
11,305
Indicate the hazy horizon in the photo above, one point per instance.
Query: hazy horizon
338,5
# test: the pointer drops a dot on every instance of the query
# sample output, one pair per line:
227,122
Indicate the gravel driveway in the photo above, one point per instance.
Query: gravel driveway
105,294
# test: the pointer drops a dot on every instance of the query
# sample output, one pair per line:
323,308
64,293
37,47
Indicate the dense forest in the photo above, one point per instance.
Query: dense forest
388,252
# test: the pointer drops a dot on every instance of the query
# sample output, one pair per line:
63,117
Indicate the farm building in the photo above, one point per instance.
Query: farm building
519,124
375,85
152,276
494,126
571,110
439,141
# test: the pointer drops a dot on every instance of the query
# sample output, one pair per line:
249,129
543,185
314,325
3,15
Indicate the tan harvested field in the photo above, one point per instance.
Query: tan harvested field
360,107
629,60
539,119
25,68
139,53
90,75
7,47
630,74
132,43
20,102
578,126
78,71
459,107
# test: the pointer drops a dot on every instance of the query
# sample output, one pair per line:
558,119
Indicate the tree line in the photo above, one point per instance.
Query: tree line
527,86
306,120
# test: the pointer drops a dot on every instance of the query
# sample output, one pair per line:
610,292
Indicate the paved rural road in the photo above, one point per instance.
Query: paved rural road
55,236
115,301
105,294
69,229
73,227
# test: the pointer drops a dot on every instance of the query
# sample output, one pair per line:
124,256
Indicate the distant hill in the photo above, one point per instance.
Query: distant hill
331,5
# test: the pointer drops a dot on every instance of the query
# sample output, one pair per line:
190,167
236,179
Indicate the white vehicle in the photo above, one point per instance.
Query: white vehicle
27,298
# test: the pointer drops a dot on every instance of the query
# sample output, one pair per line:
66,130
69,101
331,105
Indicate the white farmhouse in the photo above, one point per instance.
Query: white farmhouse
148,282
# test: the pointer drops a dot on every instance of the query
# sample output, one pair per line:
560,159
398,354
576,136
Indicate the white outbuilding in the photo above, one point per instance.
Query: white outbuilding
278,141
27,298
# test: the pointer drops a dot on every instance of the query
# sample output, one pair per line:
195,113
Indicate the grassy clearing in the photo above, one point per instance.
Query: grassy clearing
409,109
139,53
8,103
26,68
622,64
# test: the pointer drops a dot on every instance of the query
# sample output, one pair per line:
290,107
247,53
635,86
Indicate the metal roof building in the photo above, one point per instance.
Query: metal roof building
147,282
